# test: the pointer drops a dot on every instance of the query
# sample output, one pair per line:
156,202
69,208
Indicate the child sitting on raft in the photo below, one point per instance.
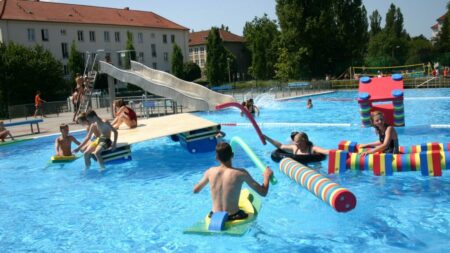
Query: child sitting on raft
4,132
226,183
124,114
301,146
82,119
101,143
388,139
64,142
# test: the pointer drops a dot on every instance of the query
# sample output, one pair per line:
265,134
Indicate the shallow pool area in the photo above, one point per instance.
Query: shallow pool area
145,204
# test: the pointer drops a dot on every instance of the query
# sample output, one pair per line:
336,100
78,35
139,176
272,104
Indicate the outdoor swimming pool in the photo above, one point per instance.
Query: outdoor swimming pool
144,205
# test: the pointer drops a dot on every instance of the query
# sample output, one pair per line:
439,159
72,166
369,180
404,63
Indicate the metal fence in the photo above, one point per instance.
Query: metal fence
408,83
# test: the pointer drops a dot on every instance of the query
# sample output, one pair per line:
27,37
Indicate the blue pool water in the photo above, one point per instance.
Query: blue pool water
144,205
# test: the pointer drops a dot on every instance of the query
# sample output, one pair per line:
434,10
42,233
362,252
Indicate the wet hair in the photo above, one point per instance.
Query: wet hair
81,117
303,136
219,127
224,152
91,114
119,103
372,117
63,126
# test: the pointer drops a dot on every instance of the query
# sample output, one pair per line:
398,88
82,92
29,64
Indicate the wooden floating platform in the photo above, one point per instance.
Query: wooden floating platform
162,126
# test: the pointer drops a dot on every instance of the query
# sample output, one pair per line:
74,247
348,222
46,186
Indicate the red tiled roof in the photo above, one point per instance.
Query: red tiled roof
435,26
33,10
441,18
199,38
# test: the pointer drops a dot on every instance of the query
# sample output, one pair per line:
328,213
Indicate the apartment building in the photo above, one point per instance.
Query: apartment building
436,28
93,29
232,42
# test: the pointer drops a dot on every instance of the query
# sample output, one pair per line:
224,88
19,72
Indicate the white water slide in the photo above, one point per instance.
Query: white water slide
188,94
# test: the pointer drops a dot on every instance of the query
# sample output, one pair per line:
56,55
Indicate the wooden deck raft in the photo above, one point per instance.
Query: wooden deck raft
162,126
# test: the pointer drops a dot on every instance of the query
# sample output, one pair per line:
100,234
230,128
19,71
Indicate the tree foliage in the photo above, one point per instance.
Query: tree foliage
442,42
130,47
261,35
177,62
323,36
216,62
75,63
24,70
191,71
375,23
420,50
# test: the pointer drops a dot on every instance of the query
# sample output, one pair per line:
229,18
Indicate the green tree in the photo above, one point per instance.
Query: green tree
177,62
261,37
75,63
130,47
25,70
324,36
442,41
191,71
419,51
375,23
216,62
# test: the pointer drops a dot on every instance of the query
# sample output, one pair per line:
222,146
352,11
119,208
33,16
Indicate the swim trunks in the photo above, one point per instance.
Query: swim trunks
104,142
239,215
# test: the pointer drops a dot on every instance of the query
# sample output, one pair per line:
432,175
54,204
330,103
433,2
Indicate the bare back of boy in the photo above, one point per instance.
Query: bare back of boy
226,184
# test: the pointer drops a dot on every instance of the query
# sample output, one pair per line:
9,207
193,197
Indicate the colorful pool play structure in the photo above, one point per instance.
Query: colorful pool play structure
339,198
383,94
249,202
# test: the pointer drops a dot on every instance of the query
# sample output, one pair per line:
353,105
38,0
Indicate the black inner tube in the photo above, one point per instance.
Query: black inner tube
279,154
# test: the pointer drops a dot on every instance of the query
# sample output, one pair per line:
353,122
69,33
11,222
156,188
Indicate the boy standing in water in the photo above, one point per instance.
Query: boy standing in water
226,183
63,143
102,143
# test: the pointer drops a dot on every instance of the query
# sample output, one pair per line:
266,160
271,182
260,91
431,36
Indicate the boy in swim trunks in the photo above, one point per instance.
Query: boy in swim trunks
226,183
101,143
63,143
4,132
91,129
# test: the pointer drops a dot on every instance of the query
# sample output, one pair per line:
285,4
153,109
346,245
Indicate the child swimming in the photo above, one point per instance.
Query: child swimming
388,139
64,142
301,146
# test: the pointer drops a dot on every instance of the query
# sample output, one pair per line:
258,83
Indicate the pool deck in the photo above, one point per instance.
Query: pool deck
51,123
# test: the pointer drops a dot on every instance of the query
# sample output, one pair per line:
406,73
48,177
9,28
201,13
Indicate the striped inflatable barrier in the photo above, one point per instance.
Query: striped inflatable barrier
430,163
352,146
341,199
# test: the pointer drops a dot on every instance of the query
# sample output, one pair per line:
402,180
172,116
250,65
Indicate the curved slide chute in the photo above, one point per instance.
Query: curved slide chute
160,83
249,116
238,141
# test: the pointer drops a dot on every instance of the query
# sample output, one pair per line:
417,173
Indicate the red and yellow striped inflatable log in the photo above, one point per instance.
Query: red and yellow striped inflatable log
341,199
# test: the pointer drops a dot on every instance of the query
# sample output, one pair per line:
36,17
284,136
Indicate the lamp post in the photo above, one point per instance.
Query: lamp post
229,71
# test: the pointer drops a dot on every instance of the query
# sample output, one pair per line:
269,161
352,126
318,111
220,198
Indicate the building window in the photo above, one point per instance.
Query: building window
196,50
154,65
140,38
80,36
152,35
108,57
92,36
202,62
44,33
117,36
66,70
172,38
164,38
141,57
190,50
153,50
202,49
31,35
166,56
65,51
106,36
63,32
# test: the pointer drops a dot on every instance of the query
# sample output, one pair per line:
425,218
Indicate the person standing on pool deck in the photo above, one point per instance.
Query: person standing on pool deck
388,139
102,143
301,146
38,104
226,183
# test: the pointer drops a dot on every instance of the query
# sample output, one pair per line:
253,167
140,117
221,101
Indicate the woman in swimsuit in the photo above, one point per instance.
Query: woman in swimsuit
124,114
301,145
388,139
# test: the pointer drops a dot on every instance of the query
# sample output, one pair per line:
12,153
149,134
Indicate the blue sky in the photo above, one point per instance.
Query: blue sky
419,15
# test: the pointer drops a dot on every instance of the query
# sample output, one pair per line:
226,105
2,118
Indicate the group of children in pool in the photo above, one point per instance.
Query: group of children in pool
96,127
226,181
